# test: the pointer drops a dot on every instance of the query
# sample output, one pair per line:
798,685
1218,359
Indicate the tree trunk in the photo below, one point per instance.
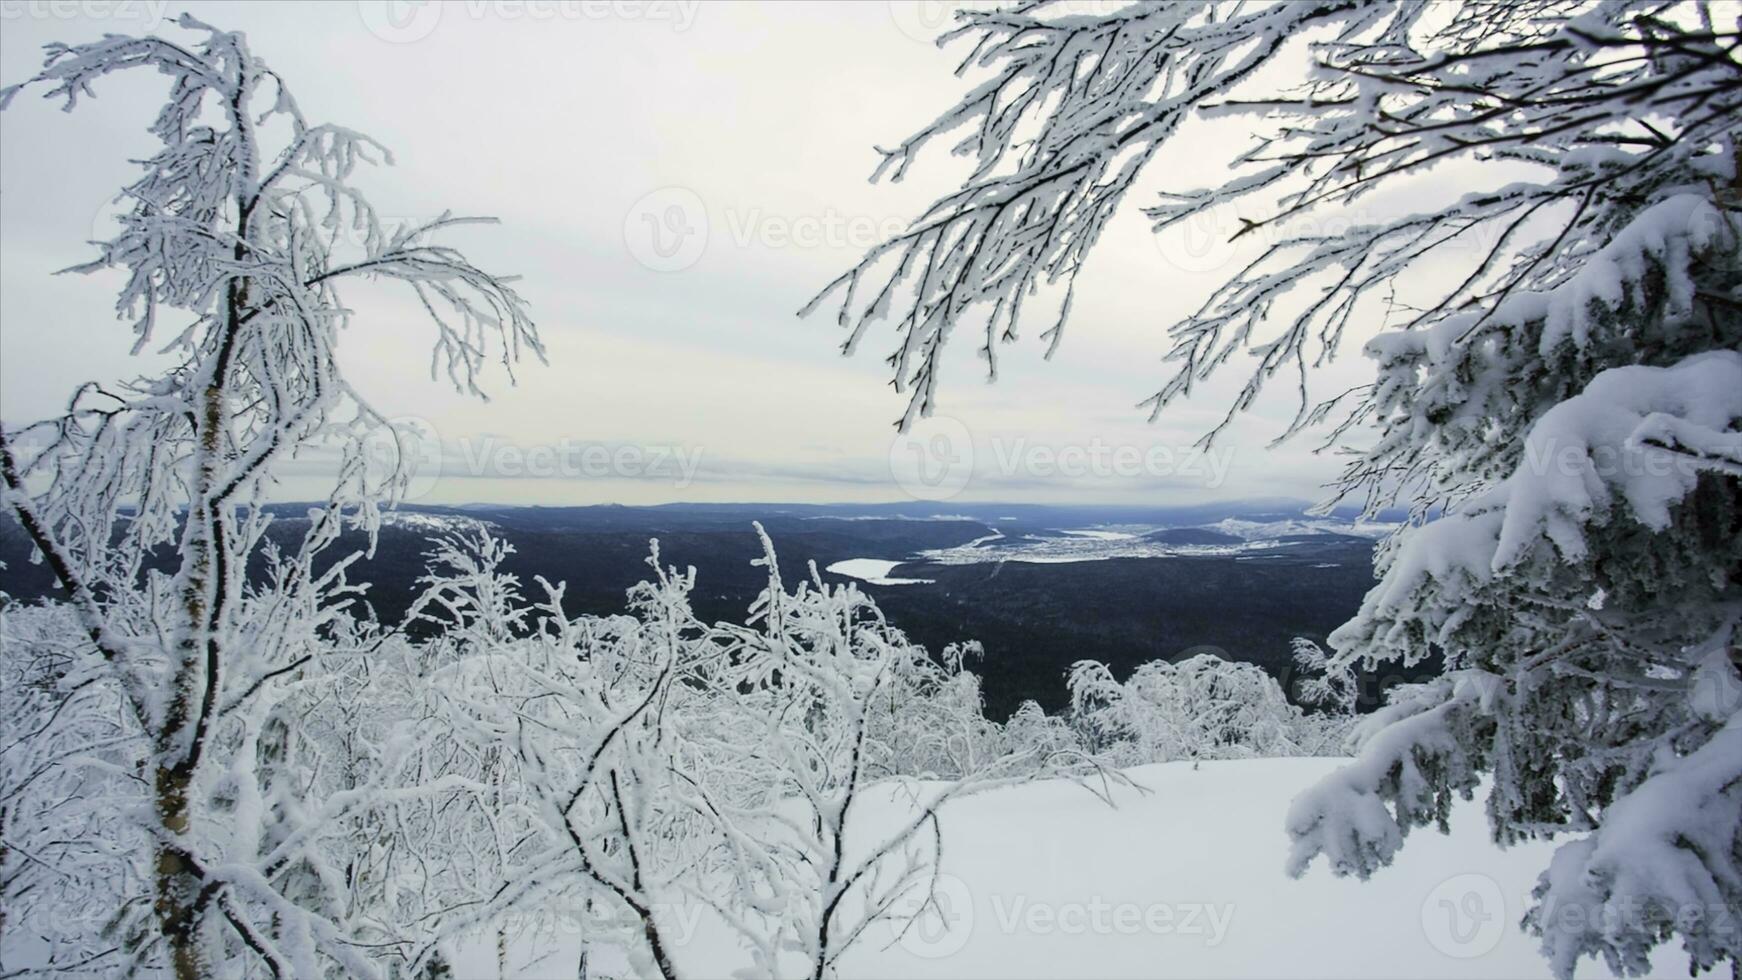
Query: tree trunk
196,658
178,884
6,852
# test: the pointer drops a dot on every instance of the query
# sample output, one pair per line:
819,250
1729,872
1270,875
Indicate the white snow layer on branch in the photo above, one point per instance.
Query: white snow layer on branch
1346,818
1588,461
1665,860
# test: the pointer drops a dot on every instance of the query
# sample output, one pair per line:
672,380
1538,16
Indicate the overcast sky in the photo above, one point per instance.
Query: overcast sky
674,181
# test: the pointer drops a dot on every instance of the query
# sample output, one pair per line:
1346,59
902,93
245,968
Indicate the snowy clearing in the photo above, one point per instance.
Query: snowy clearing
1257,530
1185,880
1072,548
1098,544
1099,535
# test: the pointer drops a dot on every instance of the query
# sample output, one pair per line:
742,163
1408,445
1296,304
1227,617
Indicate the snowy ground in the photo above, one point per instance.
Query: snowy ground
1275,529
1186,881
1129,541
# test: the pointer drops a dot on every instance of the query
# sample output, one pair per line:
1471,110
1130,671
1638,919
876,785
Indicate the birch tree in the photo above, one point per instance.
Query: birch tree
239,232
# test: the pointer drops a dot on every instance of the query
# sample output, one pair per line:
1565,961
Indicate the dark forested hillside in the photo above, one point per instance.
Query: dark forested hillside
1034,619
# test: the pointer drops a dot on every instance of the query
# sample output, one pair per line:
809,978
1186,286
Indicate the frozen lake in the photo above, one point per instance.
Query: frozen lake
873,570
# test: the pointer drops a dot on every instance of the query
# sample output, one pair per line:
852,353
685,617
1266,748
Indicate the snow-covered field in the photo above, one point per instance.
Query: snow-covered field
1185,880
1100,535
1265,530
1100,545
433,524
1246,539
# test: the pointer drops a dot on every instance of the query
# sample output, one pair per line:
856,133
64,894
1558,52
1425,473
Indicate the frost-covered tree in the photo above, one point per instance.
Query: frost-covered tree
237,235
1325,680
67,755
1202,707
1532,209
263,781
656,762
845,707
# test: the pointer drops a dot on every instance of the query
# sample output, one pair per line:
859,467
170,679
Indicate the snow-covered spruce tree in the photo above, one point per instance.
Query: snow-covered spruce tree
1557,391
239,230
